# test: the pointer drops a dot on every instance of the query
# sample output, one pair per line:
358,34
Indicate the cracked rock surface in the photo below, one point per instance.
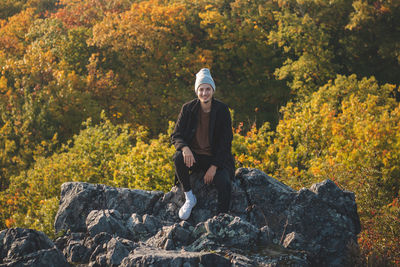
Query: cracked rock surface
26,247
269,224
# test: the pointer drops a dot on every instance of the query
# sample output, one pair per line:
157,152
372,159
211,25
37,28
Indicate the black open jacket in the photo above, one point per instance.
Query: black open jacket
220,132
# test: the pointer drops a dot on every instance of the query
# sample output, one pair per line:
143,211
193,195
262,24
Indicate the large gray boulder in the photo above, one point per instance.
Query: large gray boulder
225,230
269,224
164,258
267,198
117,250
143,227
108,221
79,199
75,249
318,222
173,237
322,220
26,247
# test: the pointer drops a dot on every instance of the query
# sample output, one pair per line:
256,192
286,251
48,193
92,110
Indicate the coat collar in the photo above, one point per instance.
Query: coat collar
196,106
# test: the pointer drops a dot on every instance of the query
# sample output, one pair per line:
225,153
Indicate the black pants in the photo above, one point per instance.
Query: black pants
203,162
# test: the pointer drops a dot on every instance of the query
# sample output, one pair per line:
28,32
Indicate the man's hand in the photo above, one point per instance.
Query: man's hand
188,157
209,176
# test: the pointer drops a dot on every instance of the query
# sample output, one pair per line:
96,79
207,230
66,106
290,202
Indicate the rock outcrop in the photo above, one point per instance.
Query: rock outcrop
269,224
26,247
79,199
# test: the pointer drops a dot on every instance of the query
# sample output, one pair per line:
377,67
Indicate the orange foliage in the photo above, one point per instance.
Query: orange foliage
12,32
86,13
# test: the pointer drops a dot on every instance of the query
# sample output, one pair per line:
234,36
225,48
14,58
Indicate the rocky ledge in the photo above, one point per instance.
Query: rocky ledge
269,224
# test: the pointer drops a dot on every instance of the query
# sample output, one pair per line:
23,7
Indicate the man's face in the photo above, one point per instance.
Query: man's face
205,92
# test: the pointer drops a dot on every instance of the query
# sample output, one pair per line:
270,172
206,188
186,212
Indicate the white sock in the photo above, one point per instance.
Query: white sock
189,196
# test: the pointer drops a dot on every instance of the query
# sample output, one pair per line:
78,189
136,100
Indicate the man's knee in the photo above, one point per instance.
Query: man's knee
178,158
222,180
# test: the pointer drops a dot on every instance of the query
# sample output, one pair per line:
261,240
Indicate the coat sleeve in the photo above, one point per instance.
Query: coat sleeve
224,138
177,137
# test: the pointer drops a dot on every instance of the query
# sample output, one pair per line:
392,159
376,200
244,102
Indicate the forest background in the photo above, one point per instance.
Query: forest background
90,90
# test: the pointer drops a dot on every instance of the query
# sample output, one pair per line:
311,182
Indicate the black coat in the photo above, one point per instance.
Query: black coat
220,132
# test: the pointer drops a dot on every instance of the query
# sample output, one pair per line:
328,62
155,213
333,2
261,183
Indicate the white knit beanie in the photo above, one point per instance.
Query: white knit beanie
204,76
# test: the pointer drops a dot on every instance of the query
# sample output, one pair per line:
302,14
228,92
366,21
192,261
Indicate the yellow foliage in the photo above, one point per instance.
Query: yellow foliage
104,153
12,32
348,131
10,223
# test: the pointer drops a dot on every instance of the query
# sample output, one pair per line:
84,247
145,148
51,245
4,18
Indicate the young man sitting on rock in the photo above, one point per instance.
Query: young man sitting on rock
203,139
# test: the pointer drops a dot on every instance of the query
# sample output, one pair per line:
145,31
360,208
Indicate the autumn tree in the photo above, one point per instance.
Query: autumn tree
372,44
101,153
241,59
348,131
323,38
8,8
149,49
86,13
44,100
12,33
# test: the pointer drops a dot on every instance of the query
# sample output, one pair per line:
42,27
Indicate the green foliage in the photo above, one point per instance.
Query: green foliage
62,62
102,153
371,47
86,158
75,52
247,67
348,131
323,38
10,7
147,165
310,63
42,102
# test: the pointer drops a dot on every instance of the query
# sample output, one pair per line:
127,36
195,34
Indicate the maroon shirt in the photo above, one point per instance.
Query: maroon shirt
201,142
